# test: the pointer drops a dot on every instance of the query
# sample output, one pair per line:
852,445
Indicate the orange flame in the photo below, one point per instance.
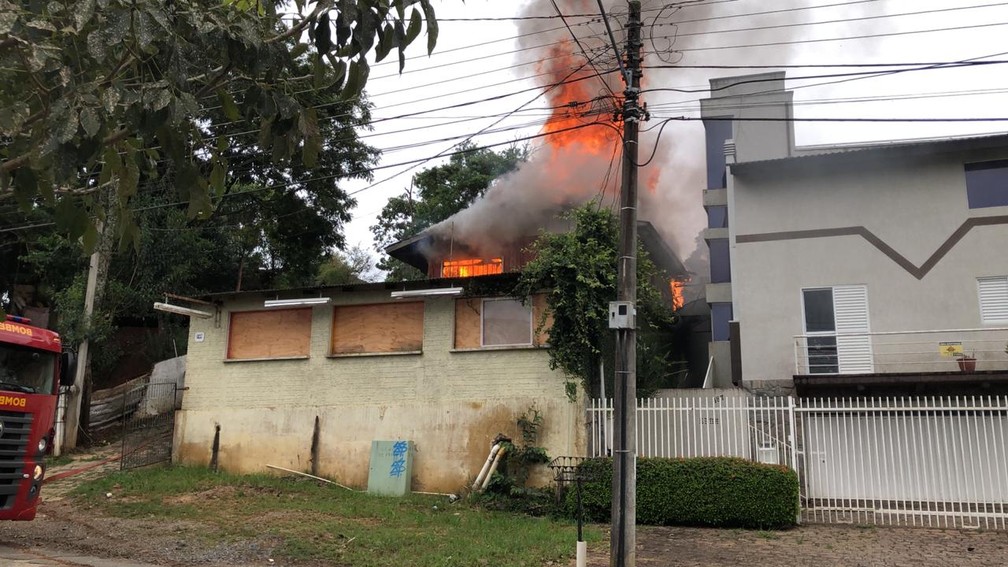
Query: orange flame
469,267
570,96
677,287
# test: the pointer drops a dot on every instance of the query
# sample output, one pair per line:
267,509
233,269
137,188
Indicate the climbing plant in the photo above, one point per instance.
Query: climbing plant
577,272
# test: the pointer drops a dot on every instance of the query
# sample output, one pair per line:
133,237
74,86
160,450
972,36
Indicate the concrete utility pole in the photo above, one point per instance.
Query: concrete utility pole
71,417
623,543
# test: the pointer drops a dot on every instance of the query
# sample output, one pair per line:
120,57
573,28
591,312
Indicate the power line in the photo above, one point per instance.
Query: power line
844,38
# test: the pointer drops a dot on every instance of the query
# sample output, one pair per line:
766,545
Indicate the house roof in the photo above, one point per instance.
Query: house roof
411,250
925,146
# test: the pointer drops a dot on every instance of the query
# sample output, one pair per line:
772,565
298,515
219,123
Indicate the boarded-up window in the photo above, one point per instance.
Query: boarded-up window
277,333
499,322
377,328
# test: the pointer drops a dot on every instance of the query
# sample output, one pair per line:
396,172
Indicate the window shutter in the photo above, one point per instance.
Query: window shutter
993,299
854,349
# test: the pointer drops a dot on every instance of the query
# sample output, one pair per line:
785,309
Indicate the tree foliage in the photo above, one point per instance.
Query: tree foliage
351,267
437,193
577,270
102,94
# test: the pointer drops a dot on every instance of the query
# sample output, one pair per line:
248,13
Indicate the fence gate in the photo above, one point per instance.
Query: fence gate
922,461
148,424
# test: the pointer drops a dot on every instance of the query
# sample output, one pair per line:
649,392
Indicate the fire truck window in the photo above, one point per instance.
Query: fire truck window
506,322
26,370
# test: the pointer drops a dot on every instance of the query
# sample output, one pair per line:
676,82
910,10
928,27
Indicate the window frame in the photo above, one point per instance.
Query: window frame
228,343
531,315
975,198
333,332
980,303
854,348
835,367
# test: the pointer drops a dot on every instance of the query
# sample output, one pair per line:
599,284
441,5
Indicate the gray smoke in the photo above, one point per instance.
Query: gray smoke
672,178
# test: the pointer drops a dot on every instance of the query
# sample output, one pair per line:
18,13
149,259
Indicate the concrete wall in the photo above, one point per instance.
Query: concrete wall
451,404
912,203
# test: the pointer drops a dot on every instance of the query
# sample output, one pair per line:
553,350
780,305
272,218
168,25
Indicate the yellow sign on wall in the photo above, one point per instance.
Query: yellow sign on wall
950,349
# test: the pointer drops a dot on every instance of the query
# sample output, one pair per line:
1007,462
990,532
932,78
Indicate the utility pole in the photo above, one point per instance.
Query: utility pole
623,543
71,416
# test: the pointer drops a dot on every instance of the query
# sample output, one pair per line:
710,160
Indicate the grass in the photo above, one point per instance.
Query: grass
318,522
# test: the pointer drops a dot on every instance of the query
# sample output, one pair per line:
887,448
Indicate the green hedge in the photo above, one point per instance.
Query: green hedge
703,491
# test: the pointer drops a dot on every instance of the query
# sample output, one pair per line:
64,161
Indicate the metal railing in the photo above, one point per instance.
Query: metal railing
704,426
926,351
917,461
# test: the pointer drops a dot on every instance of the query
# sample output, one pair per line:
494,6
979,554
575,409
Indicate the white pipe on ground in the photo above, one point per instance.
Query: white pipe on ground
582,554
486,466
493,467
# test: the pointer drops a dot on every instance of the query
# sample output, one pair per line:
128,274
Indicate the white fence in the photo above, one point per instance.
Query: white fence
928,461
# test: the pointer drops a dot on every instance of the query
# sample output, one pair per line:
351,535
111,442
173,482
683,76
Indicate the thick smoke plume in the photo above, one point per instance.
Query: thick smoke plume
578,165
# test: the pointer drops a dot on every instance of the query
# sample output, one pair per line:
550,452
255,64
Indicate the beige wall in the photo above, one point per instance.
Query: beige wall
913,204
451,404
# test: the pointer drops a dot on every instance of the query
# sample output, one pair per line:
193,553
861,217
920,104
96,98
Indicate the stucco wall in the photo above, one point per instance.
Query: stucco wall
450,404
911,203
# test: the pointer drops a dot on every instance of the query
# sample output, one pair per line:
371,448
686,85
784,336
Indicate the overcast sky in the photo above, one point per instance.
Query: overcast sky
479,63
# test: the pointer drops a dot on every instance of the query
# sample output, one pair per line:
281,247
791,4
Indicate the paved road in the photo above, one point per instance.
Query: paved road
35,557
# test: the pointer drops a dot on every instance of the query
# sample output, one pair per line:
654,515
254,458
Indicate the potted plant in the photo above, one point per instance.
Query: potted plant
967,362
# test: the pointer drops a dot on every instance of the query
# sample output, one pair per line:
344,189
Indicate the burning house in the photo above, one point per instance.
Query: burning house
306,379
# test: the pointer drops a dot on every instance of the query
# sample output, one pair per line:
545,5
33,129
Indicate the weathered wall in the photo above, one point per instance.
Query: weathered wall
912,204
450,403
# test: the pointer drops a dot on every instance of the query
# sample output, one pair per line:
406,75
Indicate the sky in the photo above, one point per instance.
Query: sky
488,68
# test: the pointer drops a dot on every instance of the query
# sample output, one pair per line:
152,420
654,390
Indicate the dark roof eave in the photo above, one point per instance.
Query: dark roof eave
408,250
359,287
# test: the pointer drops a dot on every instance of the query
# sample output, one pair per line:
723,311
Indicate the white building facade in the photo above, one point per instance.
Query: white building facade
869,269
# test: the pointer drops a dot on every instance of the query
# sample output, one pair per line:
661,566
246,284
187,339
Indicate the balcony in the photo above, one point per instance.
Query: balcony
943,361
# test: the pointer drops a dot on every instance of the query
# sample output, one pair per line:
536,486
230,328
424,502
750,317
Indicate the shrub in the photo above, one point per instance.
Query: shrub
703,491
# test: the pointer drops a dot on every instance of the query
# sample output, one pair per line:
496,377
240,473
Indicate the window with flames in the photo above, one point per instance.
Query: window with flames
469,267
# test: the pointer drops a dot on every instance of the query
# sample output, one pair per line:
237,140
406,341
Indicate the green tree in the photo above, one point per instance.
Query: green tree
350,267
97,94
437,193
577,271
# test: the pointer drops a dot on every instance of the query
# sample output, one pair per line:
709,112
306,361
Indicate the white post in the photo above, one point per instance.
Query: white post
793,442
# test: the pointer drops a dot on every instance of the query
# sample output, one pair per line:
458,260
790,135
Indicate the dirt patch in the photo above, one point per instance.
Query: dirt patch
221,493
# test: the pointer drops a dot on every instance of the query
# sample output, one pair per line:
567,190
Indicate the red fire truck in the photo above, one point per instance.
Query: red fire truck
32,367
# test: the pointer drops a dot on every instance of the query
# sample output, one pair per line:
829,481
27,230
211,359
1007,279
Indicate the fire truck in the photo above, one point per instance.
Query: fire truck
32,368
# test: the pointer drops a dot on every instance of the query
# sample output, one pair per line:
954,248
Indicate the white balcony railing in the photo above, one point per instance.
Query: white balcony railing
935,350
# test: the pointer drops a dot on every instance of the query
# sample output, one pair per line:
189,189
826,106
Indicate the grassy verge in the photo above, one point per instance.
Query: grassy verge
317,522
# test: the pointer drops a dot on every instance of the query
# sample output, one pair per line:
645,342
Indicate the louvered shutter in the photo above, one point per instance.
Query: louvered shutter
993,299
854,349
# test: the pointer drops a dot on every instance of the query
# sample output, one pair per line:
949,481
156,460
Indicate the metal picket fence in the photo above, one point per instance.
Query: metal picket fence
915,461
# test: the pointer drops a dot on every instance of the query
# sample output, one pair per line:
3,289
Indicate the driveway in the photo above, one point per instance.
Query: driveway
814,545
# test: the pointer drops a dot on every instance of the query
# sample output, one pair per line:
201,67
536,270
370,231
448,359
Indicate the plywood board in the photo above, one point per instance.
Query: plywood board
377,328
276,333
467,322
538,308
